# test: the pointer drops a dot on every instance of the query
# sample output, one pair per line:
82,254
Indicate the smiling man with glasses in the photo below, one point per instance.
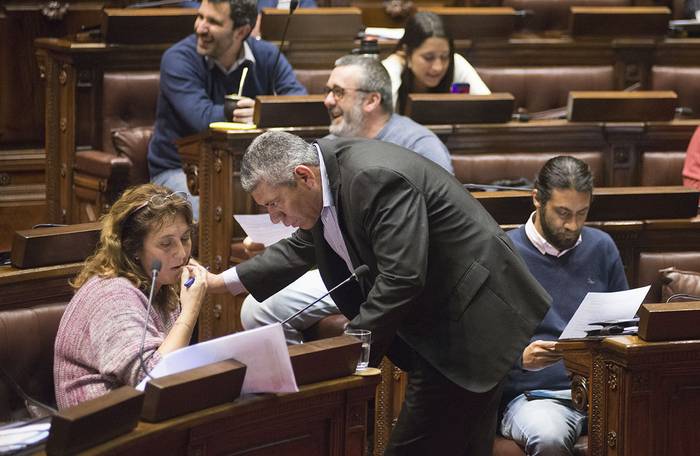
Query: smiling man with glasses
358,98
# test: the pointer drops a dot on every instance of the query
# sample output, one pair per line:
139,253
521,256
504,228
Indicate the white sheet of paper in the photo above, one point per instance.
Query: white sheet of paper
385,32
260,228
618,305
263,350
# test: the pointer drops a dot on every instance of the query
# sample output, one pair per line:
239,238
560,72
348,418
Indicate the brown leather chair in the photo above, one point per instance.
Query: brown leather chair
542,88
313,80
119,161
487,168
651,262
662,168
684,80
26,354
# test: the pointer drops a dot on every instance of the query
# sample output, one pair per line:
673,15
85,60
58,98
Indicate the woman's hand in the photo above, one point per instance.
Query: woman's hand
191,297
540,354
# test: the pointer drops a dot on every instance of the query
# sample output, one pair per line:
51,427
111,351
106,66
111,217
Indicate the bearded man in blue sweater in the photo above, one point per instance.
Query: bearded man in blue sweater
568,260
199,71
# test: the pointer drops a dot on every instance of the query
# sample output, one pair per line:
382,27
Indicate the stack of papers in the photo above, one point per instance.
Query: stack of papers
596,307
17,436
263,350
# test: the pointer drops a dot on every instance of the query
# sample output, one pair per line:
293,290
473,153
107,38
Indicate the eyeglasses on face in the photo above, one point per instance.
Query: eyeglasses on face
339,92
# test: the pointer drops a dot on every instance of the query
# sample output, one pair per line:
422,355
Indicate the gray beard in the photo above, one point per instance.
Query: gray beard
351,125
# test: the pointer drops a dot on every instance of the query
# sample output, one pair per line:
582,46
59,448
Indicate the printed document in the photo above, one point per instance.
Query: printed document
263,350
618,305
260,228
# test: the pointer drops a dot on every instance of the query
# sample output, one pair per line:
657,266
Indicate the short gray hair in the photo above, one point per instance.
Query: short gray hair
373,77
272,157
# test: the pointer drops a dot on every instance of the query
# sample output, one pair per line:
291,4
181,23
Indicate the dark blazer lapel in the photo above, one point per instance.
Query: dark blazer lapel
330,160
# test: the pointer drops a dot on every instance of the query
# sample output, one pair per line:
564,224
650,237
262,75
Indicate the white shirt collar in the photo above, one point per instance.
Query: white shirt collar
325,183
541,243
247,56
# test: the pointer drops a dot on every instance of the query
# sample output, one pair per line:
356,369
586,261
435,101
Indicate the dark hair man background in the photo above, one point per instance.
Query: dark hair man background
446,296
197,72
569,260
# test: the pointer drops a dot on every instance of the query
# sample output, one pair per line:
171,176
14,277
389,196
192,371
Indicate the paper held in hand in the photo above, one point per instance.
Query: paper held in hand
260,228
596,307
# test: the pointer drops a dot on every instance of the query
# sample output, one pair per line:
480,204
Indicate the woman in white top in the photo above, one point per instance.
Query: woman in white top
425,61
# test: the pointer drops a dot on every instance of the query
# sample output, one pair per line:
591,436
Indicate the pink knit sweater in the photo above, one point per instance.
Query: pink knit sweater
98,340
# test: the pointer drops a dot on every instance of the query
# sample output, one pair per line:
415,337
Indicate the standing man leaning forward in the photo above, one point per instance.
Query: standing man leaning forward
569,260
446,297
359,104
199,71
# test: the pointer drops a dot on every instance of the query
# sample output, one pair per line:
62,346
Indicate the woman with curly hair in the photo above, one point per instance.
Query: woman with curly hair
425,61
100,343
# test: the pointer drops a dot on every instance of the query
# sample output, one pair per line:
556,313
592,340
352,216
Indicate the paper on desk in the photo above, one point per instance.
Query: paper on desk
617,305
263,350
260,228
385,32
17,437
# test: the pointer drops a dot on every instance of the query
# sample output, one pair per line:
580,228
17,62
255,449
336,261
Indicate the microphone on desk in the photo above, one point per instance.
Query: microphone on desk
293,4
359,271
155,269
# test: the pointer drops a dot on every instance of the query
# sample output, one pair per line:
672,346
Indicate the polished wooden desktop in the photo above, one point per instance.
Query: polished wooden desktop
323,419
643,398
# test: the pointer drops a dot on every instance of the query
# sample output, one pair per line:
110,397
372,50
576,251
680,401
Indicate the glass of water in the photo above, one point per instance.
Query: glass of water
365,337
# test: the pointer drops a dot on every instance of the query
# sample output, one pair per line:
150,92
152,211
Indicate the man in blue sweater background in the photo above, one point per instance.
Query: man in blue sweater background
199,71
569,260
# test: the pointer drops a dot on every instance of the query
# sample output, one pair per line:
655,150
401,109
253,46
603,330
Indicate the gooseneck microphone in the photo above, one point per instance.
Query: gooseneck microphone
155,268
359,271
293,4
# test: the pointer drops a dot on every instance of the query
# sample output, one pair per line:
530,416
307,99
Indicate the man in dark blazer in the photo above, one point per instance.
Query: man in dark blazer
446,298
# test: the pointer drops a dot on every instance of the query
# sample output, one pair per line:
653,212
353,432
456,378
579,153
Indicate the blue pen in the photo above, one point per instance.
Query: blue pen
189,282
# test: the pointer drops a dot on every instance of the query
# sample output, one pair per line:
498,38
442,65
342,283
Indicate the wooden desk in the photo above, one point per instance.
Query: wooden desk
643,397
21,288
326,418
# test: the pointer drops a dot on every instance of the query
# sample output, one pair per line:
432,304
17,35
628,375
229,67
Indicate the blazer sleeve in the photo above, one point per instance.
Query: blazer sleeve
394,219
278,266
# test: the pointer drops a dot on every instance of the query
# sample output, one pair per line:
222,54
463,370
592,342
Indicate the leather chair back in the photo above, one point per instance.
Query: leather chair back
26,353
313,80
543,88
651,262
685,81
128,114
487,168
662,168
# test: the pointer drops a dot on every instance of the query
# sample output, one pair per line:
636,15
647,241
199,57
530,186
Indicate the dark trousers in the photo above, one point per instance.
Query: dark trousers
438,417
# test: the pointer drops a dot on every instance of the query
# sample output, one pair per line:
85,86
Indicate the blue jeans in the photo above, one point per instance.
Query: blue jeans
176,180
542,426
278,307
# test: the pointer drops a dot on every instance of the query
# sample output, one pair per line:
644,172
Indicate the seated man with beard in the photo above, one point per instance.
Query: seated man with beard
568,260
358,98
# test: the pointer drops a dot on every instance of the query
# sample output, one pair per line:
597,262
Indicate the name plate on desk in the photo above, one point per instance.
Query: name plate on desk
620,106
146,25
324,359
193,389
620,21
669,321
290,111
95,421
311,24
473,23
457,108
56,245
